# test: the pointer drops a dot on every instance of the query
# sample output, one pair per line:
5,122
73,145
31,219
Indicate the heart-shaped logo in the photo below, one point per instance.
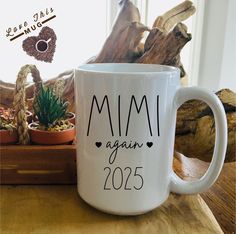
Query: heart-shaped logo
149,144
43,46
98,144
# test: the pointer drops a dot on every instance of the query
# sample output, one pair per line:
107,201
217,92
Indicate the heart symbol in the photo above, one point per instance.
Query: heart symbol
98,144
149,144
41,47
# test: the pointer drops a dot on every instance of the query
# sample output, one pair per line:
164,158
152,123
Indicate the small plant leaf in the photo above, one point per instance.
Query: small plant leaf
48,107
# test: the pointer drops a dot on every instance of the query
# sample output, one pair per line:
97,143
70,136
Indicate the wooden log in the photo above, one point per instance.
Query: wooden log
195,131
194,109
161,48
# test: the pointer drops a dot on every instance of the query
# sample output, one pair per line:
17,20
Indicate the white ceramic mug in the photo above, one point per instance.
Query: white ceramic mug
126,115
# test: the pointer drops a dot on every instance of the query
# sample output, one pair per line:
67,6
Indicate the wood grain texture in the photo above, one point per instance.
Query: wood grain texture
162,48
174,16
221,197
195,128
58,209
35,164
122,45
58,166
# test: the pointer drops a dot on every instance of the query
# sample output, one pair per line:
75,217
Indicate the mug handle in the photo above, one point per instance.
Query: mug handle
177,185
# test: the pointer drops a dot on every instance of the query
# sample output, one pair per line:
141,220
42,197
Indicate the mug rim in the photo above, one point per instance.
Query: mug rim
118,68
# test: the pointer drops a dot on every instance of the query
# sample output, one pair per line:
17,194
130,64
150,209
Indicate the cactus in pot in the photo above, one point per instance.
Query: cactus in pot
51,128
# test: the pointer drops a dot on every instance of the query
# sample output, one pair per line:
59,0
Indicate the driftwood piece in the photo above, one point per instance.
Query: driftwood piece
161,27
174,16
195,131
161,48
122,45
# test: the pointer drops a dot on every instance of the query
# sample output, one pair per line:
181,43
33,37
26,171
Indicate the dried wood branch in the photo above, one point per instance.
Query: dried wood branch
162,48
122,45
174,16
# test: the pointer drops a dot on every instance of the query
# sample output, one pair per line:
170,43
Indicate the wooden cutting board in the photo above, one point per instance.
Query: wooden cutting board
59,210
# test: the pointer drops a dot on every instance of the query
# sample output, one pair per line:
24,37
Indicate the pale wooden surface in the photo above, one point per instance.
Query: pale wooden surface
59,210
221,197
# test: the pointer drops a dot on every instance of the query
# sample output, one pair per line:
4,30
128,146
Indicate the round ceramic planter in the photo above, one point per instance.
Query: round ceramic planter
51,138
8,137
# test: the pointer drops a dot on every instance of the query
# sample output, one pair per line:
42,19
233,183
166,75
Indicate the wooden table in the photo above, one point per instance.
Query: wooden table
221,197
44,212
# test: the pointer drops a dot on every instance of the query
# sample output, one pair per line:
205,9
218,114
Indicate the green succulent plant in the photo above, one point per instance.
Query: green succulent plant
48,107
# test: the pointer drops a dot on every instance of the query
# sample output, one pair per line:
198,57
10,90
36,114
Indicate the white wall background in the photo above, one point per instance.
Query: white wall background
228,68
217,65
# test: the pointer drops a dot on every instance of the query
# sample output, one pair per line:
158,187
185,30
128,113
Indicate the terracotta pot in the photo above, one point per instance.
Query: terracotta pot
71,117
8,137
51,138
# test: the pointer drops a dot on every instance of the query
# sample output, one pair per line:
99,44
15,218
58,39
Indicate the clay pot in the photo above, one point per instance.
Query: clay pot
71,117
8,137
51,138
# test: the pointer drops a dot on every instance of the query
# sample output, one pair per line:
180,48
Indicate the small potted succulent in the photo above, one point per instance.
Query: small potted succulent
52,126
8,133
